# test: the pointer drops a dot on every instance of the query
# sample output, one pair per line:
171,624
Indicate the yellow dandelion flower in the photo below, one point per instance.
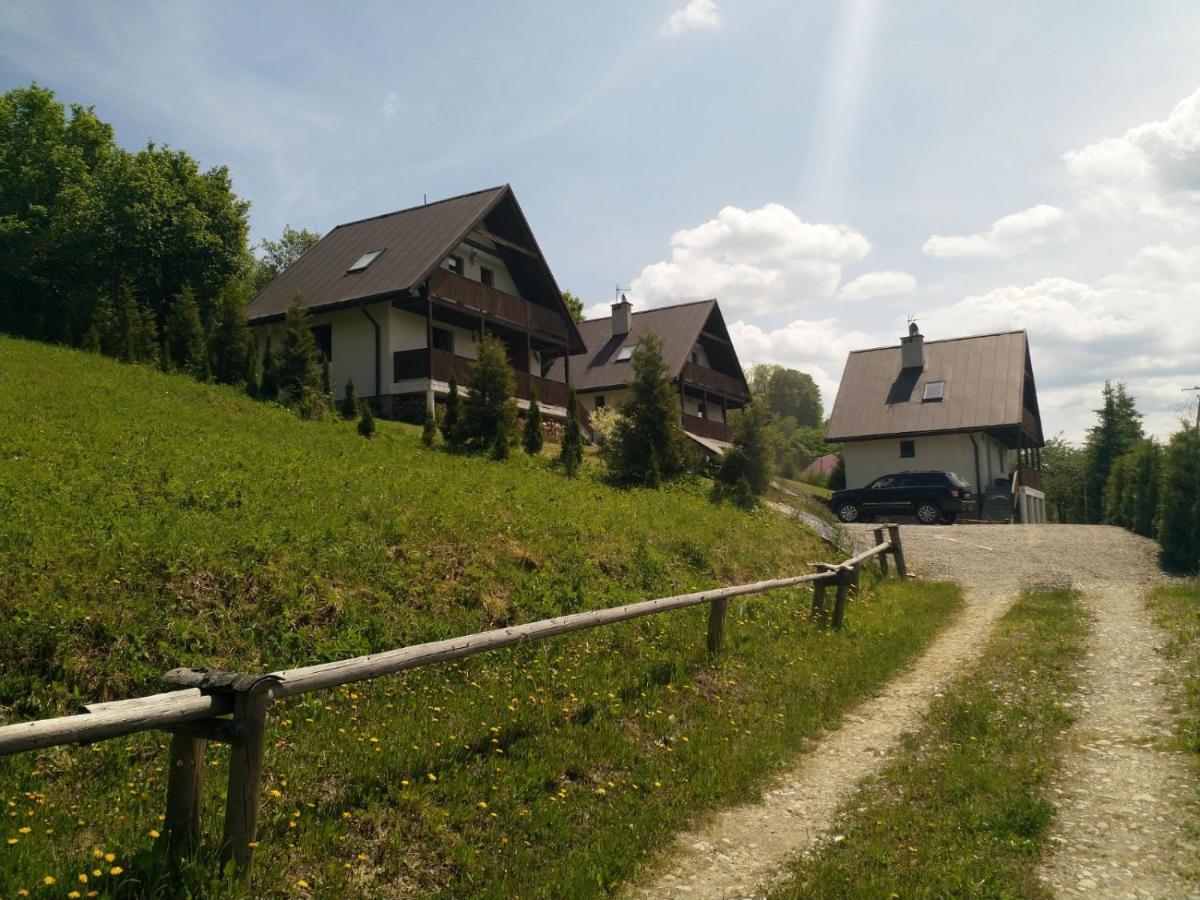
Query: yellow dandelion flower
48,880
432,777
97,872
82,878
109,857
21,892
345,815
74,894
301,883
601,791
483,804
276,793
115,870
362,857
25,830
12,841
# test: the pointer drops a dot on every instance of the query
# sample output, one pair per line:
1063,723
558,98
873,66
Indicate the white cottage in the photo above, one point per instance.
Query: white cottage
958,405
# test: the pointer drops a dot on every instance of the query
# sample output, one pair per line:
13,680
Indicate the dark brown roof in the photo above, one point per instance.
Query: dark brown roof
988,387
414,242
677,328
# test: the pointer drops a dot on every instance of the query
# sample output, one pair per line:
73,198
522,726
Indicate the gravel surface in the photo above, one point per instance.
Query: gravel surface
1126,821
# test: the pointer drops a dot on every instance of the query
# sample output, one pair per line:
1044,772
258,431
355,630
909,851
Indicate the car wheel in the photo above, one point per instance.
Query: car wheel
928,513
848,512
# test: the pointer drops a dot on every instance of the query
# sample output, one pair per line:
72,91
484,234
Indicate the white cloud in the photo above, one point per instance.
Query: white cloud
692,15
878,284
391,105
754,261
1152,170
597,311
1008,236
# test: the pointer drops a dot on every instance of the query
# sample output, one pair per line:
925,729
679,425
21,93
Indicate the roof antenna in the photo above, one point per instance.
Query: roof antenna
619,296
1197,390
424,199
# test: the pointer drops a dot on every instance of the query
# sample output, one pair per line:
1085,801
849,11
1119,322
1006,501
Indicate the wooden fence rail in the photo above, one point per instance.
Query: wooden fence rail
212,705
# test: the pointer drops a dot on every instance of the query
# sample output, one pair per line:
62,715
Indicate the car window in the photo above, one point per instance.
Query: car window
881,484
927,479
958,480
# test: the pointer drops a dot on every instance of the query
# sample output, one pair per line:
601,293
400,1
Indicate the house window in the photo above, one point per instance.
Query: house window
694,357
626,353
908,449
934,391
365,260
487,276
443,340
323,335
599,404
455,265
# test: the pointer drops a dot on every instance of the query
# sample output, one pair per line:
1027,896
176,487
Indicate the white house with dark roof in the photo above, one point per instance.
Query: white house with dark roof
399,302
959,405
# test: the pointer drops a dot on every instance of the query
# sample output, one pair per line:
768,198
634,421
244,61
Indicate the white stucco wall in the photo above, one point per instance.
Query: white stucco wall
484,259
612,399
867,460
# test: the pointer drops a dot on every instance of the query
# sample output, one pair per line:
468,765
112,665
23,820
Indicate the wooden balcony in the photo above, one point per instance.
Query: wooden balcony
707,428
440,365
712,380
497,306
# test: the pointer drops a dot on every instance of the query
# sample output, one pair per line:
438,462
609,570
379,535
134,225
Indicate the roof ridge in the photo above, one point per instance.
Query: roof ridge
397,212
965,337
658,308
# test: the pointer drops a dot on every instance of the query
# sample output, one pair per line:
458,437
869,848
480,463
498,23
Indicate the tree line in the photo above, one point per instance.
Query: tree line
1120,476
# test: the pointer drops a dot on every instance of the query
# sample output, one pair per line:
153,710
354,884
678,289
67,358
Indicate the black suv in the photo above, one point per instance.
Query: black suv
932,497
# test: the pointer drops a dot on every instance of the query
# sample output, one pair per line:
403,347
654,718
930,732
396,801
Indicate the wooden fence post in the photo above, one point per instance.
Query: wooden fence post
185,774
818,607
882,557
252,700
897,551
716,624
844,580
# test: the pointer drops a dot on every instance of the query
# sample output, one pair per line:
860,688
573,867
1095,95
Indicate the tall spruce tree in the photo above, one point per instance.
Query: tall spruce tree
186,346
649,438
490,412
532,438
752,438
570,452
268,386
349,405
230,339
298,366
1179,524
1118,427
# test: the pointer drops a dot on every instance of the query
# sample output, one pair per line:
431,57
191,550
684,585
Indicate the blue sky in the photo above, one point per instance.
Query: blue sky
983,165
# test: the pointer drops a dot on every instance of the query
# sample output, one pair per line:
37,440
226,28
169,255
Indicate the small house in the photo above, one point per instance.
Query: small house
400,302
966,405
699,356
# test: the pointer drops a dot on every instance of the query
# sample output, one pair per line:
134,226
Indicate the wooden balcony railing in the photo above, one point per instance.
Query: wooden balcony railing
712,380
707,428
1029,477
417,364
497,305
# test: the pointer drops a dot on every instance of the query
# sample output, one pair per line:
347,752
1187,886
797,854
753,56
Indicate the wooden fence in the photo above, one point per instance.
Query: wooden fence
211,705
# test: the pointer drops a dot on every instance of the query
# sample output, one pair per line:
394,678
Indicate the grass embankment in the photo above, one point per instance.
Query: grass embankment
962,812
1176,608
800,495
153,522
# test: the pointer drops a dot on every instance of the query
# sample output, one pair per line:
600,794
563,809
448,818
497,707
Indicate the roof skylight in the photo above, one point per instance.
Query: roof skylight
626,352
365,260
934,390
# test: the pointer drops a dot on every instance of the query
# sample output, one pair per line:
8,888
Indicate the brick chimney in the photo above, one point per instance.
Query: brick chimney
912,349
621,314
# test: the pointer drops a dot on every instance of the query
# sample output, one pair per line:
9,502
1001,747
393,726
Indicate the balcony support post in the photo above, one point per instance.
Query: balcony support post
430,405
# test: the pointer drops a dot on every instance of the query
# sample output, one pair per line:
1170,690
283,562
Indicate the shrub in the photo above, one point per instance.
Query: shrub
450,421
604,423
298,367
532,438
429,430
752,438
184,334
490,413
837,478
349,404
366,421
268,387
570,452
648,443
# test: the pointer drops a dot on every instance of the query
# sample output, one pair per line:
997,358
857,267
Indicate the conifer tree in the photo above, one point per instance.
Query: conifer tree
251,368
101,332
298,367
127,325
752,438
228,345
532,438
1118,428
1179,524
349,404
450,420
570,452
366,421
268,388
429,430
186,346
490,413
326,384
650,427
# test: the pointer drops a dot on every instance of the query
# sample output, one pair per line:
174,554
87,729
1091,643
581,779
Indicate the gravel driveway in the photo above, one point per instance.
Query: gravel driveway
1127,821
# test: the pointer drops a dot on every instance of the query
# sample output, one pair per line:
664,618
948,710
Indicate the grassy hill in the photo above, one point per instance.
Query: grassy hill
150,521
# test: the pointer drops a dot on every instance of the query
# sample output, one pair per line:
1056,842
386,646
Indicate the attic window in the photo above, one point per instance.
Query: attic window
365,260
626,353
934,391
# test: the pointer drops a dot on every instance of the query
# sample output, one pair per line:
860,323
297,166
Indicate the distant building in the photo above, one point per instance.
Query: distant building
958,405
698,353
399,302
